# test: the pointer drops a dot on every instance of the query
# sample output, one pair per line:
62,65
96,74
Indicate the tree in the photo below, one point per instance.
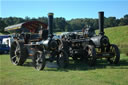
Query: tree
27,18
2,26
126,16
110,22
61,24
126,19
43,19
68,27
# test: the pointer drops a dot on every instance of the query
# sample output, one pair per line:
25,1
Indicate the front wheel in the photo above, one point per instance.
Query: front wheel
62,59
39,60
91,55
116,58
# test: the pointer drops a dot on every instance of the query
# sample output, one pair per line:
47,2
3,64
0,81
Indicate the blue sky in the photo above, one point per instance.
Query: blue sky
64,8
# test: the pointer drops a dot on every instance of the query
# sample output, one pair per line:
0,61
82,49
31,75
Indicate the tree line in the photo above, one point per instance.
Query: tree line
61,24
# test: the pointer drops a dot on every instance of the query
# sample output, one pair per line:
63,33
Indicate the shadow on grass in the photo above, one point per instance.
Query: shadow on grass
124,63
28,64
101,64
83,66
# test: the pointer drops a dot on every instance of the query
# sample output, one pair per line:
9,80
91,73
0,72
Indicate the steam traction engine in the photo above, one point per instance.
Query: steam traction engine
91,47
33,39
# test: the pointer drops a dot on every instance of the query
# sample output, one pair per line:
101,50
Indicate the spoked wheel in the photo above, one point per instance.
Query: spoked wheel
91,55
116,58
39,60
62,59
18,53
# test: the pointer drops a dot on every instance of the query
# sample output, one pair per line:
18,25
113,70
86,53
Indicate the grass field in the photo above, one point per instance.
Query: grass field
118,35
75,74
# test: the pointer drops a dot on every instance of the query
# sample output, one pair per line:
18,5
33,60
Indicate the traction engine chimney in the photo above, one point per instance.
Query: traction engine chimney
50,24
101,23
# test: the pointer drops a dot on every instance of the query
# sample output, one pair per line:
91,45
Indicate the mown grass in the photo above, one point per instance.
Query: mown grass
118,35
76,74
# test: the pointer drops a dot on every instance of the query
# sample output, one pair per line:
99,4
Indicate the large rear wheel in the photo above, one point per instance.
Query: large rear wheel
116,58
18,53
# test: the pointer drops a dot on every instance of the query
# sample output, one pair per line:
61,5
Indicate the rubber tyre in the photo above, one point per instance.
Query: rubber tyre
39,60
18,53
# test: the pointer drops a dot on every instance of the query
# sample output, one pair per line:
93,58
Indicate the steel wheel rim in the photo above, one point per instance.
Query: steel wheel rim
113,51
15,58
38,61
90,58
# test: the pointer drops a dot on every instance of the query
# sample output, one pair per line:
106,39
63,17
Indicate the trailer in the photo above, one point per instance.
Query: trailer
2,37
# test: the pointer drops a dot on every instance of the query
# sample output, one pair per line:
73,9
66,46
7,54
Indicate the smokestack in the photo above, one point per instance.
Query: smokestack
50,24
101,23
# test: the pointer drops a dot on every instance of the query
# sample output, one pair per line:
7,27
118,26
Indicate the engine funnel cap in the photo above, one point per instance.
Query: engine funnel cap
50,14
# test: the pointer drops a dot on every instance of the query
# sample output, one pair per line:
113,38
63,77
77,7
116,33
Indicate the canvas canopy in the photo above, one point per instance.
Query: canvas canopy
30,26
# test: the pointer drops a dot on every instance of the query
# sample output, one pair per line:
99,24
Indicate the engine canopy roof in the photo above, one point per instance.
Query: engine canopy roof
31,26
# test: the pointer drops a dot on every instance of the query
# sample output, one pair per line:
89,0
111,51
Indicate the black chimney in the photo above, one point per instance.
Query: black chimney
50,24
101,23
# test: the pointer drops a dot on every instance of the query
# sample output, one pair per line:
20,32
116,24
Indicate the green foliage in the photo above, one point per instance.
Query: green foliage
43,19
110,22
60,24
124,21
2,25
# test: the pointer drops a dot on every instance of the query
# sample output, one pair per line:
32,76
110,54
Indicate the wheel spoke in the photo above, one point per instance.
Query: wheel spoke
15,61
14,57
40,60
37,60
